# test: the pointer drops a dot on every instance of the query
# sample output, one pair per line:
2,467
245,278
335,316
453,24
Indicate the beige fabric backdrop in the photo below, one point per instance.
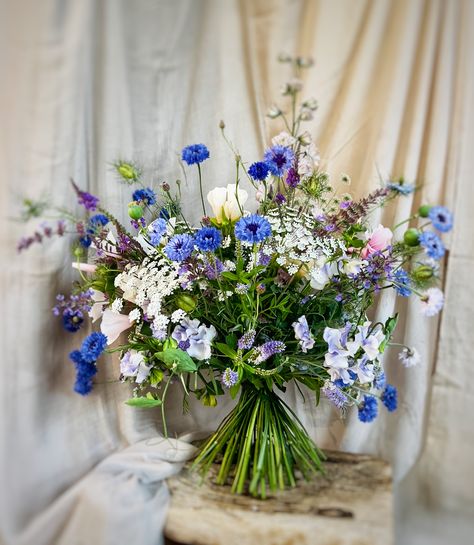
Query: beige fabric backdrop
85,82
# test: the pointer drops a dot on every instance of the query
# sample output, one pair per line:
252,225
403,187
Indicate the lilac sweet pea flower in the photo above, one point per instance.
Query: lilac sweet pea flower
340,352
133,365
303,334
364,369
369,343
194,338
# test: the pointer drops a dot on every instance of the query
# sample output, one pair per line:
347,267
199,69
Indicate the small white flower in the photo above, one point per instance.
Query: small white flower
160,322
178,315
409,357
226,242
117,305
134,315
283,139
432,302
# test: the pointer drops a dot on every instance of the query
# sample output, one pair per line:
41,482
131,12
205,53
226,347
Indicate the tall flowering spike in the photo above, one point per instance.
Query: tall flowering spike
246,341
335,395
253,229
195,154
229,378
269,349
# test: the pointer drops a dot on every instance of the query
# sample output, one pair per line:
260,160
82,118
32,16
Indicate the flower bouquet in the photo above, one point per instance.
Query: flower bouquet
258,294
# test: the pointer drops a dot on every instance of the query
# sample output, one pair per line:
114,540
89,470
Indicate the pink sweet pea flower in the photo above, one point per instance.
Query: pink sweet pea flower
113,324
380,238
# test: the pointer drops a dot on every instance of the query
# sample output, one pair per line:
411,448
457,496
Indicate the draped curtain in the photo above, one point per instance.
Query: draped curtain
87,82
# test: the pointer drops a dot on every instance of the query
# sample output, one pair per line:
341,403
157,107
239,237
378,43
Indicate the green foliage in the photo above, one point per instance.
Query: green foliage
176,359
147,402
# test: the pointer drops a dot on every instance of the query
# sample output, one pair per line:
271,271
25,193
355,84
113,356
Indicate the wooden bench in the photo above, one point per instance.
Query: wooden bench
350,505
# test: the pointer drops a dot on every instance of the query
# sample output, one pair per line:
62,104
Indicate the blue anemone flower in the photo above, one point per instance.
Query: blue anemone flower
195,154
253,229
208,239
96,222
156,230
441,218
432,244
279,159
72,319
179,247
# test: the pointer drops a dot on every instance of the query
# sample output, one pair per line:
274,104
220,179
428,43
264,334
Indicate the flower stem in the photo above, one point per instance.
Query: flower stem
200,190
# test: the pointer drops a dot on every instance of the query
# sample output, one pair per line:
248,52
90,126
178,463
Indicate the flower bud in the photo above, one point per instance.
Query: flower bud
284,57
424,210
304,62
135,211
209,400
311,103
186,302
274,112
165,186
221,125
305,139
306,114
411,237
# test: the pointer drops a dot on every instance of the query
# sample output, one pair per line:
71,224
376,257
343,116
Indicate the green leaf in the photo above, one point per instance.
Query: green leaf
226,350
234,390
144,402
155,377
177,359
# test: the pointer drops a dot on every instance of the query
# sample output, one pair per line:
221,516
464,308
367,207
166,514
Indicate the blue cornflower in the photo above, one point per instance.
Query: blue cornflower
368,409
72,319
85,241
441,218
179,247
380,381
389,397
96,222
259,170
401,187
195,154
279,159
253,229
156,230
402,283
208,239
93,346
146,195
432,244
229,378
84,372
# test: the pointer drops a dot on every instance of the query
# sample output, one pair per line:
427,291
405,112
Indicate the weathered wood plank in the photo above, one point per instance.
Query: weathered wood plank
350,505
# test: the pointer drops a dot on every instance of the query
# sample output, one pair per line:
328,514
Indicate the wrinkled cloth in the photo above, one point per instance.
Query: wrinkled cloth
88,82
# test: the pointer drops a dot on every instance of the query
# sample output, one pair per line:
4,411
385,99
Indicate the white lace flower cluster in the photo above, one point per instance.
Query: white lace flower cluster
294,242
149,284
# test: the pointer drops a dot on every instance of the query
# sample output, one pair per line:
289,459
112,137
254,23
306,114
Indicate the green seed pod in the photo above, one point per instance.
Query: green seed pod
135,211
424,210
209,400
411,237
422,273
186,302
127,171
